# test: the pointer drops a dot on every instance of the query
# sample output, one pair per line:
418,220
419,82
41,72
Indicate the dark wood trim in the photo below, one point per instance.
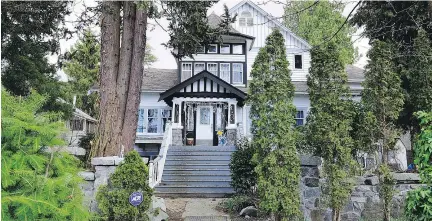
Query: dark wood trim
199,85
205,84
195,123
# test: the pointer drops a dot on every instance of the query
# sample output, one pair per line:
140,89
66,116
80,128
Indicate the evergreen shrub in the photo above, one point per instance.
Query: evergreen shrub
242,168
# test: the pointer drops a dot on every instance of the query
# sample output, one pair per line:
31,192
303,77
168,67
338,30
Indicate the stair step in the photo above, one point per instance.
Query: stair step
182,176
171,182
199,157
194,189
199,153
170,162
197,166
202,148
197,171
193,195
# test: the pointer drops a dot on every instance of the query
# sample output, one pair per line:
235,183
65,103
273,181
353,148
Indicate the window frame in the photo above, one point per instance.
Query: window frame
246,19
242,73
159,117
301,62
203,50
229,48
182,69
305,111
242,49
217,68
198,63
215,45
229,71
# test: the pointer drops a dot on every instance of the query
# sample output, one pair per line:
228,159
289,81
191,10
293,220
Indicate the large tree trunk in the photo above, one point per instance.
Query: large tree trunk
107,138
133,95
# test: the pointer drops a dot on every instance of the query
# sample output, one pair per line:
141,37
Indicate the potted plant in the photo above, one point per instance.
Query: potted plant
189,139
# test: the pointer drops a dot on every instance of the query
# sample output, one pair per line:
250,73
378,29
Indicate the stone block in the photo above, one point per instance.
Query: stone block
373,180
231,135
406,177
314,172
177,139
360,180
350,216
316,215
87,186
103,161
311,182
359,199
309,160
146,160
118,160
304,171
87,175
313,192
362,188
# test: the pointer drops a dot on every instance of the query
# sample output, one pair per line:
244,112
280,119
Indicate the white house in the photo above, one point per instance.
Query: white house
206,94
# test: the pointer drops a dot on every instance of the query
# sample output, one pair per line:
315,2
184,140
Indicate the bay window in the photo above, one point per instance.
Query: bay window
224,48
186,71
237,73
153,120
212,68
225,72
198,67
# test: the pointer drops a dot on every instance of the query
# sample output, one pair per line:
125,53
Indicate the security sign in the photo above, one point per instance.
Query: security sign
136,198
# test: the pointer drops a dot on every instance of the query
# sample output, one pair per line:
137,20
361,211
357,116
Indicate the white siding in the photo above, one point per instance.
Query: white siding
216,57
150,99
297,74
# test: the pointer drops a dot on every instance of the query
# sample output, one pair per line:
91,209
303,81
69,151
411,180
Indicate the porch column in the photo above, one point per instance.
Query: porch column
232,123
177,139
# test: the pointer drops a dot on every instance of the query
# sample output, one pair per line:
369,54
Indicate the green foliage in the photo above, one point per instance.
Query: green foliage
85,142
329,124
272,112
38,182
318,23
242,168
237,203
30,33
419,203
130,176
402,23
386,189
363,129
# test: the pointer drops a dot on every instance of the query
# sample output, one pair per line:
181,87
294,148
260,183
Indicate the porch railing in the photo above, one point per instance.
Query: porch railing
156,166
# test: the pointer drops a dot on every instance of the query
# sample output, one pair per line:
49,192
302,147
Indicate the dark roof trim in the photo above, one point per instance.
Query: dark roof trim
203,74
242,35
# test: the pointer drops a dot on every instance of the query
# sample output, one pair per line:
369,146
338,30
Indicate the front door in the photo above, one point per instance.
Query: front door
204,125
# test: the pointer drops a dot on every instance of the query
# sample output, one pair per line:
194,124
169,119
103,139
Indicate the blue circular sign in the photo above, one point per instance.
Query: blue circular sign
136,198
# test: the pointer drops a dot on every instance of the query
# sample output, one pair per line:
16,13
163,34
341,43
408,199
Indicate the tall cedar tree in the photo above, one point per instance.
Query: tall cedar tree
122,67
328,128
383,96
319,23
37,183
272,112
30,33
400,22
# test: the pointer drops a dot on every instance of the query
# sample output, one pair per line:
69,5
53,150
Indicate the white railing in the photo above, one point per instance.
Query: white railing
156,166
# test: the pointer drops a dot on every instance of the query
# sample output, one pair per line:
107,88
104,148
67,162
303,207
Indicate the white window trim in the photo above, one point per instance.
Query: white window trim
305,113
182,69
159,116
242,73
216,46
229,49
229,71
217,67
238,45
302,64
198,63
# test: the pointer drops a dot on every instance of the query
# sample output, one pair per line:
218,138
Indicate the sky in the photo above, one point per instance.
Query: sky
156,35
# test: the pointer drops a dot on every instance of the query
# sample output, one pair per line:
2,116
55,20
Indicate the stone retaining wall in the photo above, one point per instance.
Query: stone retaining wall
364,204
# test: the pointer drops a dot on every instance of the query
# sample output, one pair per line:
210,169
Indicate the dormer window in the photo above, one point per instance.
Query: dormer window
246,19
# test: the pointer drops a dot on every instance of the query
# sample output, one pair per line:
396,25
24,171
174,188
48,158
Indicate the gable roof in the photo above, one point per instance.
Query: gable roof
223,88
271,18
155,79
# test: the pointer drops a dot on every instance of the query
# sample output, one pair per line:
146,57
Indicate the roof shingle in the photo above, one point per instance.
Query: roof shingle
159,79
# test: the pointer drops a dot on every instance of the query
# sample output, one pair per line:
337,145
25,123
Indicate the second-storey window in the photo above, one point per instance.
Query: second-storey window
237,73
237,49
298,62
212,68
198,67
300,118
225,72
212,49
224,48
186,71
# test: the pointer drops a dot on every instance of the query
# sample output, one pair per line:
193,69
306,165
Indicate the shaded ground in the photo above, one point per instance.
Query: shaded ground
192,208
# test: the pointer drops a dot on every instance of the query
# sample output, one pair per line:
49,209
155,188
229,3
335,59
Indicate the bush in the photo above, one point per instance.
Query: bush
419,204
242,168
237,203
38,182
130,176
85,143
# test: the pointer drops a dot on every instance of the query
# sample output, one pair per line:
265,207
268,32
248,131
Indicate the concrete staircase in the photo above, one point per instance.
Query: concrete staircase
196,171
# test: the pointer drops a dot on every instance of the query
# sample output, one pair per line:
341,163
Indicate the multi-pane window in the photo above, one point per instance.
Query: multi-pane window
225,72
198,67
77,124
237,49
186,71
212,68
298,62
201,49
300,117
237,73
212,49
246,19
225,48
153,120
